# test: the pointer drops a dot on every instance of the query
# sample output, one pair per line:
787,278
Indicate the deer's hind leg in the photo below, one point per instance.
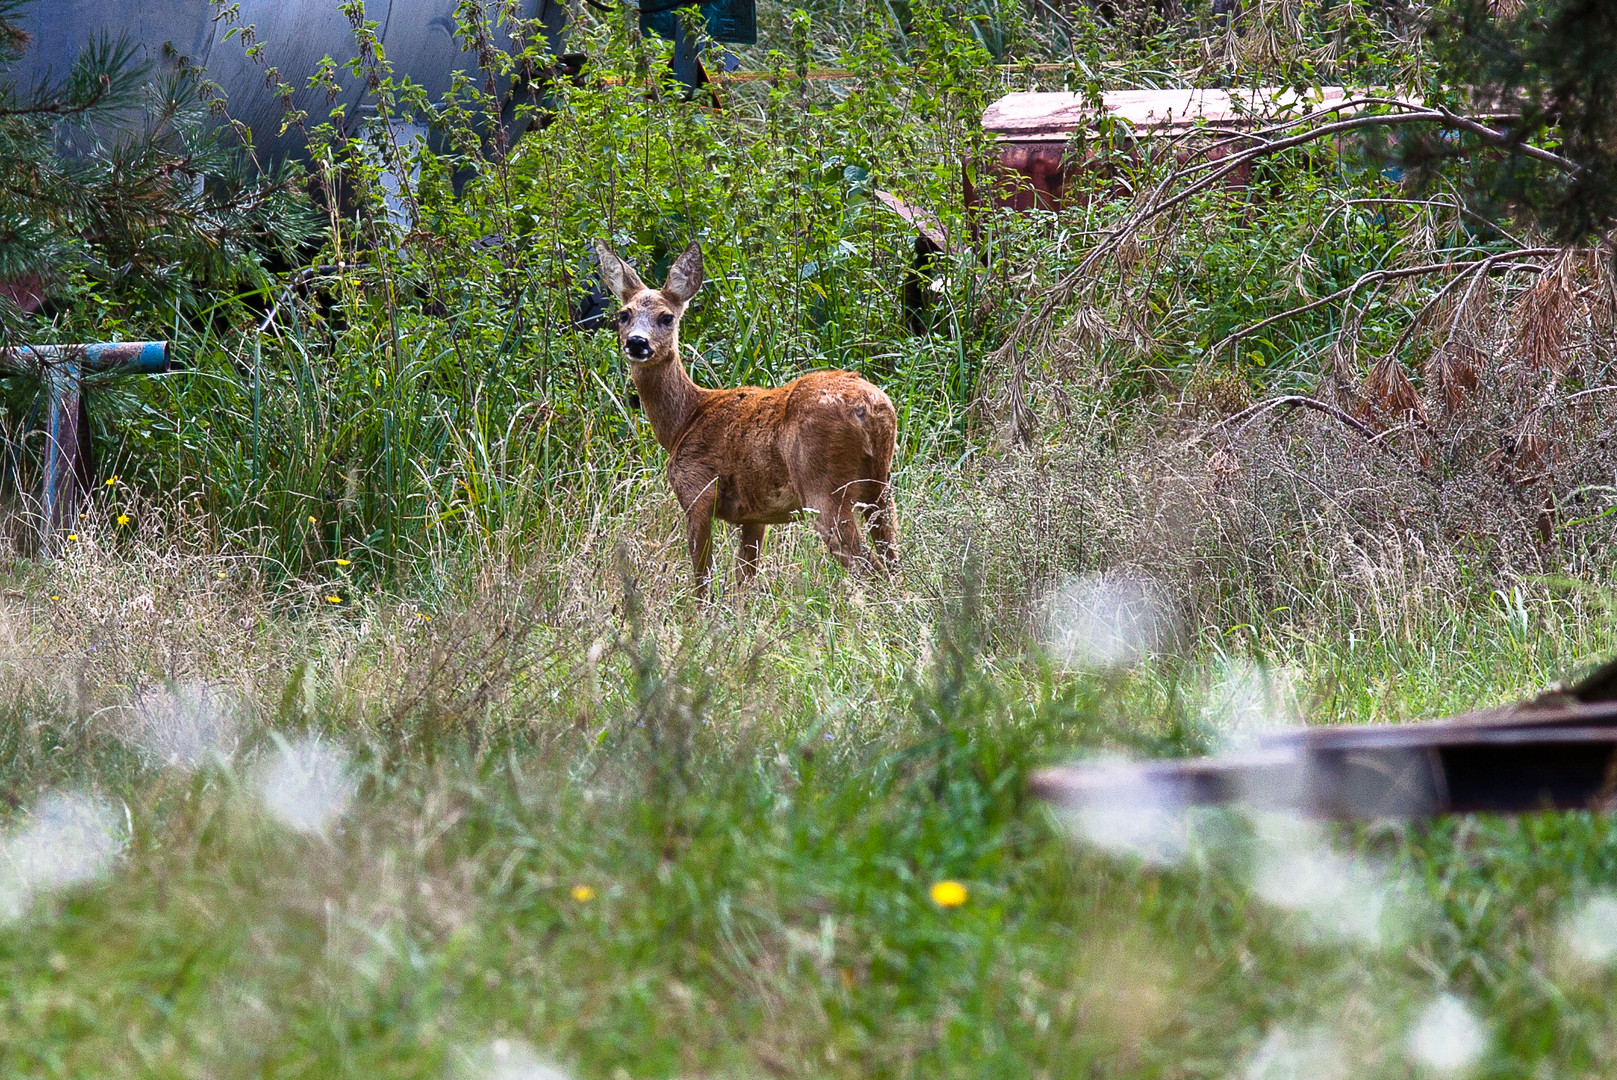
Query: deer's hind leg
752,538
835,521
881,521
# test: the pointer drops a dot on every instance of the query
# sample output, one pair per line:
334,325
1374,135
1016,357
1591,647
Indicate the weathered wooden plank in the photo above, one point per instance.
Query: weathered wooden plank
1554,751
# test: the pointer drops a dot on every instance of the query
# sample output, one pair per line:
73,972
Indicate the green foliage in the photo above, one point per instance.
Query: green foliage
119,192
1552,61
436,390
698,879
426,387
128,211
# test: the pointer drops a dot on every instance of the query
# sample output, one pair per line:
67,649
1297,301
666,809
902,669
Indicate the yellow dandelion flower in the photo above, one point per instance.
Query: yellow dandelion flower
333,599
55,597
948,894
123,519
111,480
72,536
583,893
423,616
311,519
344,562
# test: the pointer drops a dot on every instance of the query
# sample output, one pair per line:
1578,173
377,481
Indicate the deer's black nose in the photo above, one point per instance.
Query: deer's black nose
637,347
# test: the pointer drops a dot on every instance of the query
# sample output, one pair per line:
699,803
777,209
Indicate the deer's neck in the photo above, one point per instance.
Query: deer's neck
669,397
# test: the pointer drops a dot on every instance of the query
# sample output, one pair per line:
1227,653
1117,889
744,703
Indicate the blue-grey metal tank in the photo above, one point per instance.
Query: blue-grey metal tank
417,37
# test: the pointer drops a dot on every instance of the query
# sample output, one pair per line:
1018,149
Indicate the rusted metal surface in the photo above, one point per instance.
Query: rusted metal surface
62,440
1041,117
1556,751
115,357
63,368
27,291
1036,163
1033,175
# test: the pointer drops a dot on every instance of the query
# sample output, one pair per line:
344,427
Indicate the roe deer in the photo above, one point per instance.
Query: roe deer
751,456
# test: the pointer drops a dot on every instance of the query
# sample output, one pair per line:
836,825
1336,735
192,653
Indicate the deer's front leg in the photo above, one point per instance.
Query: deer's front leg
698,502
752,538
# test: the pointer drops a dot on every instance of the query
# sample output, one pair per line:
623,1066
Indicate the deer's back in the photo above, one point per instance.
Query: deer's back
760,447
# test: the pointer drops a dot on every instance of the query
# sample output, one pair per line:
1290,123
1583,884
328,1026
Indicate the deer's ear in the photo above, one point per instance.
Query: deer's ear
618,275
685,276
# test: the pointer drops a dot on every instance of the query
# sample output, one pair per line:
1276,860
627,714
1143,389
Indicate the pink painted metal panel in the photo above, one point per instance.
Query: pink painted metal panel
1035,163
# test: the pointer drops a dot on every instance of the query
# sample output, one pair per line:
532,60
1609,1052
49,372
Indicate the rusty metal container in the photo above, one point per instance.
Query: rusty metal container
1038,154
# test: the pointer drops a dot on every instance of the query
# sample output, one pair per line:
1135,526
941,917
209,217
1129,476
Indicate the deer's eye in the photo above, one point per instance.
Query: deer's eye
665,320
623,317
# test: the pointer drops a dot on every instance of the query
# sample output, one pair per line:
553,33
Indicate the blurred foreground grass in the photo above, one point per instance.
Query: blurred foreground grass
550,812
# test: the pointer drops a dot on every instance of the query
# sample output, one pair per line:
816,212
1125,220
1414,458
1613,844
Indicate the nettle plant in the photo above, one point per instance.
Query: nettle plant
777,183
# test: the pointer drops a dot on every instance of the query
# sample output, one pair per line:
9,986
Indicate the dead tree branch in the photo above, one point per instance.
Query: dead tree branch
1251,414
1491,264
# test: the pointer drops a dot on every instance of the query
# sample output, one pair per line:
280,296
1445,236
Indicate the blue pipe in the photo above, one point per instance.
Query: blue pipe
110,357
63,367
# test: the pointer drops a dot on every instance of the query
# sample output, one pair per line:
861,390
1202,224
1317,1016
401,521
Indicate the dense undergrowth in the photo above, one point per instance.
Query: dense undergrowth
366,725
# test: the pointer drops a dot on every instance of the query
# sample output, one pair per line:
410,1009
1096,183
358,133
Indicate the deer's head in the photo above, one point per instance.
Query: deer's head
648,322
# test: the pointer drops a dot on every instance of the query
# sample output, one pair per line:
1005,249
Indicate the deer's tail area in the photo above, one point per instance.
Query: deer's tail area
878,422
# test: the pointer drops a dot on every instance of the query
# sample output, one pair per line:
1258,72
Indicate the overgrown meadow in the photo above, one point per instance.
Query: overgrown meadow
367,725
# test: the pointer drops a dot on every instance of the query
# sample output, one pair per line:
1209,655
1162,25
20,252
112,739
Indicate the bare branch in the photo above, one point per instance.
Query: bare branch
1249,415
1507,140
1252,414
1568,400
1488,265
